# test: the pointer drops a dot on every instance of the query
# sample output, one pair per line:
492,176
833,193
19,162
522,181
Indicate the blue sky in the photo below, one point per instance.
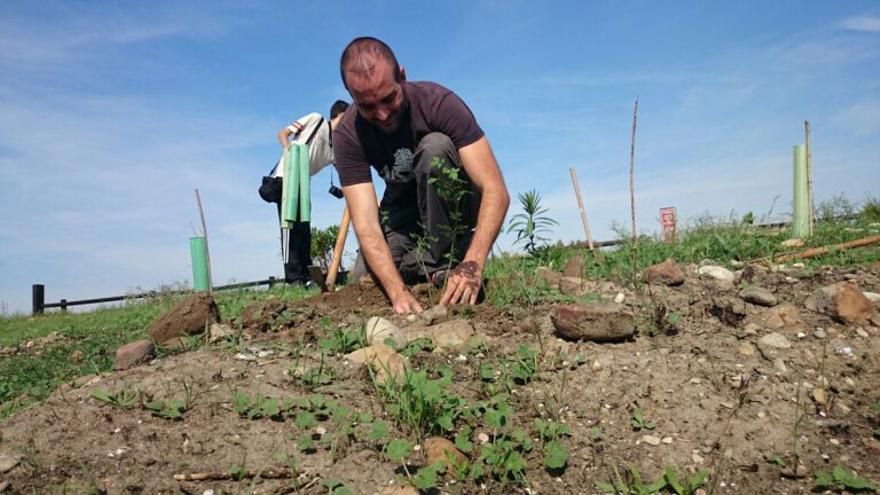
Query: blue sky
111,113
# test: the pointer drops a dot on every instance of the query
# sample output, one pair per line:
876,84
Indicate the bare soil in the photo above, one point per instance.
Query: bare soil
717,401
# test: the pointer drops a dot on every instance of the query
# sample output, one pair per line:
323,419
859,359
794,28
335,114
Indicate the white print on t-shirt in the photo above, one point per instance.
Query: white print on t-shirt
402,170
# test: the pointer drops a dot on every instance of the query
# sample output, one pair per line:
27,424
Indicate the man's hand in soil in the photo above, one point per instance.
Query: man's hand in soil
405,303
463,285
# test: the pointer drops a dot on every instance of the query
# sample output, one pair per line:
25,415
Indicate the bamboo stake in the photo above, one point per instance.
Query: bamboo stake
632,194
282,473
813,252
577,193
205,235
809,173
333,269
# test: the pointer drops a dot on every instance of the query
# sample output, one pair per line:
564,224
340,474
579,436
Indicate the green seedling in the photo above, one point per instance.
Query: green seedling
842,479
125,398
422,405
551,430
639,422
167,408
256,407
504,457
691,484
532,224
340,341
463,440
524,367
630,483
776,458
416,346
555,455
336,487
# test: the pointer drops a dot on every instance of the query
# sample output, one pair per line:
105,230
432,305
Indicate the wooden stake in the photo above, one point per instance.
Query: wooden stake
813,252
333,269
205,235
577,193
632,188
809,172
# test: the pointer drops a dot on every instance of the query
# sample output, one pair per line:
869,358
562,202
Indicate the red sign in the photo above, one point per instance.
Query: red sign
667,220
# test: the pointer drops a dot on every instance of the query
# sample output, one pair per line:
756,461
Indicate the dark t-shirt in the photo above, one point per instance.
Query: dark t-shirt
357,144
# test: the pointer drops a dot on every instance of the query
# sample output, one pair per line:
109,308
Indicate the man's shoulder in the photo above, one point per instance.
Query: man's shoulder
427,90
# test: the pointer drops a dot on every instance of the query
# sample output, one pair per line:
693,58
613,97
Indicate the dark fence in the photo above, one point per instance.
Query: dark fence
39,303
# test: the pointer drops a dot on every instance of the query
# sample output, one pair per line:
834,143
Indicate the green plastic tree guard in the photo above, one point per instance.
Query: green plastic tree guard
800,198
198,253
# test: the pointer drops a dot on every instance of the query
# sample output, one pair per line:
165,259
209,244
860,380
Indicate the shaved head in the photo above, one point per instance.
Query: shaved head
363,57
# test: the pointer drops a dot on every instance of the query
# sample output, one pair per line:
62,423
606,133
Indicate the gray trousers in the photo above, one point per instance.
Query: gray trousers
430,217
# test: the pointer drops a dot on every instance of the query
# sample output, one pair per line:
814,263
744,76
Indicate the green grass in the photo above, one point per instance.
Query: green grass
30,376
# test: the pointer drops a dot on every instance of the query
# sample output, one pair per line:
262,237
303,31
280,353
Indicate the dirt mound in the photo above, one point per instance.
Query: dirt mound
710,382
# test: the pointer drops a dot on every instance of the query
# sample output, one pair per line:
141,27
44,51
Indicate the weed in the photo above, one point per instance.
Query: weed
639,421
125,398
257,406
842,479
504,457
422,405
630,483
525,365
689,486
336,487
167,408
341,341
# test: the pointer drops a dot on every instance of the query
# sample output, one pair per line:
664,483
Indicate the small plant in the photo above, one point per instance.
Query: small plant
504,456
422,405
639,421
530,225
842,479
340,341
323,242
555,453
630,483
524,367
125,398
167,408
690,484
257,406
336,487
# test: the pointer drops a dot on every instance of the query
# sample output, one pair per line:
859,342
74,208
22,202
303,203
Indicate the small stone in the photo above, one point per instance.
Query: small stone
320,431
667,440
137,352
697,458
872,296
718,273
792,243
820,396
862,333
791,280
218,332
438,449
761,414
8,461
779,365
412,318
667,273
598,322
619,298
651,440
819,333
597,366
449,335
377,329
384,360
784,317
746,349
844,302
775,341
751,329
834,441
434,315
483,438
801,335
758,295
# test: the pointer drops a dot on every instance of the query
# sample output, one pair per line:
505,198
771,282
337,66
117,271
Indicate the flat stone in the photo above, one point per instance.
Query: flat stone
574,267
377,329
746,349
137,352
820,396
873,297
449,335
784,317
189,317
620,298
758,295
434,315
597,322
218,332
718,273
386,362
666,273
843,302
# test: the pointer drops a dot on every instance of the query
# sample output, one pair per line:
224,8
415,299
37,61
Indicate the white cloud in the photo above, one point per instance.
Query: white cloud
864,23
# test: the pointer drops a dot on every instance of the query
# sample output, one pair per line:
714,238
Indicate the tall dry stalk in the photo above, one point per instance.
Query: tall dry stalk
632,192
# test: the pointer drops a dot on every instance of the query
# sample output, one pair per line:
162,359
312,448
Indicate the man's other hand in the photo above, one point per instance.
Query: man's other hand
405,303
463,285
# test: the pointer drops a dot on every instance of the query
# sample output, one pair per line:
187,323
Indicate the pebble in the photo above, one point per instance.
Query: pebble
774,340
819,333
8,461
761,414
412,318
321,430
779,365
746,349
697,458
801,335
844,350
862,333
667,440
597,366
651,440
619,298
820,396
834,441
483,438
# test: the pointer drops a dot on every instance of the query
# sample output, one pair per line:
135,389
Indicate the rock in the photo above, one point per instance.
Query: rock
434,315
792,243
819,333
218,332
597,322
619,298
873,297
875,320
784,317
697,458
483,438
377,329
746,349
667,273
718,273
862,333
189,317
843,302
137,352
8,461
439,449
399,490
574,267
779,365
820,396
575,286
775,341
651,440
549,276
758,295
383,359
448,335
667,440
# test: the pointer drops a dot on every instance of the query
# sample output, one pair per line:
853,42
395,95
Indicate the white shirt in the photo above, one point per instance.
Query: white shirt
320,151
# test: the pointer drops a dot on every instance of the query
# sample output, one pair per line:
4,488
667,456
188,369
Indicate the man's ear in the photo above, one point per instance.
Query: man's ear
402,74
